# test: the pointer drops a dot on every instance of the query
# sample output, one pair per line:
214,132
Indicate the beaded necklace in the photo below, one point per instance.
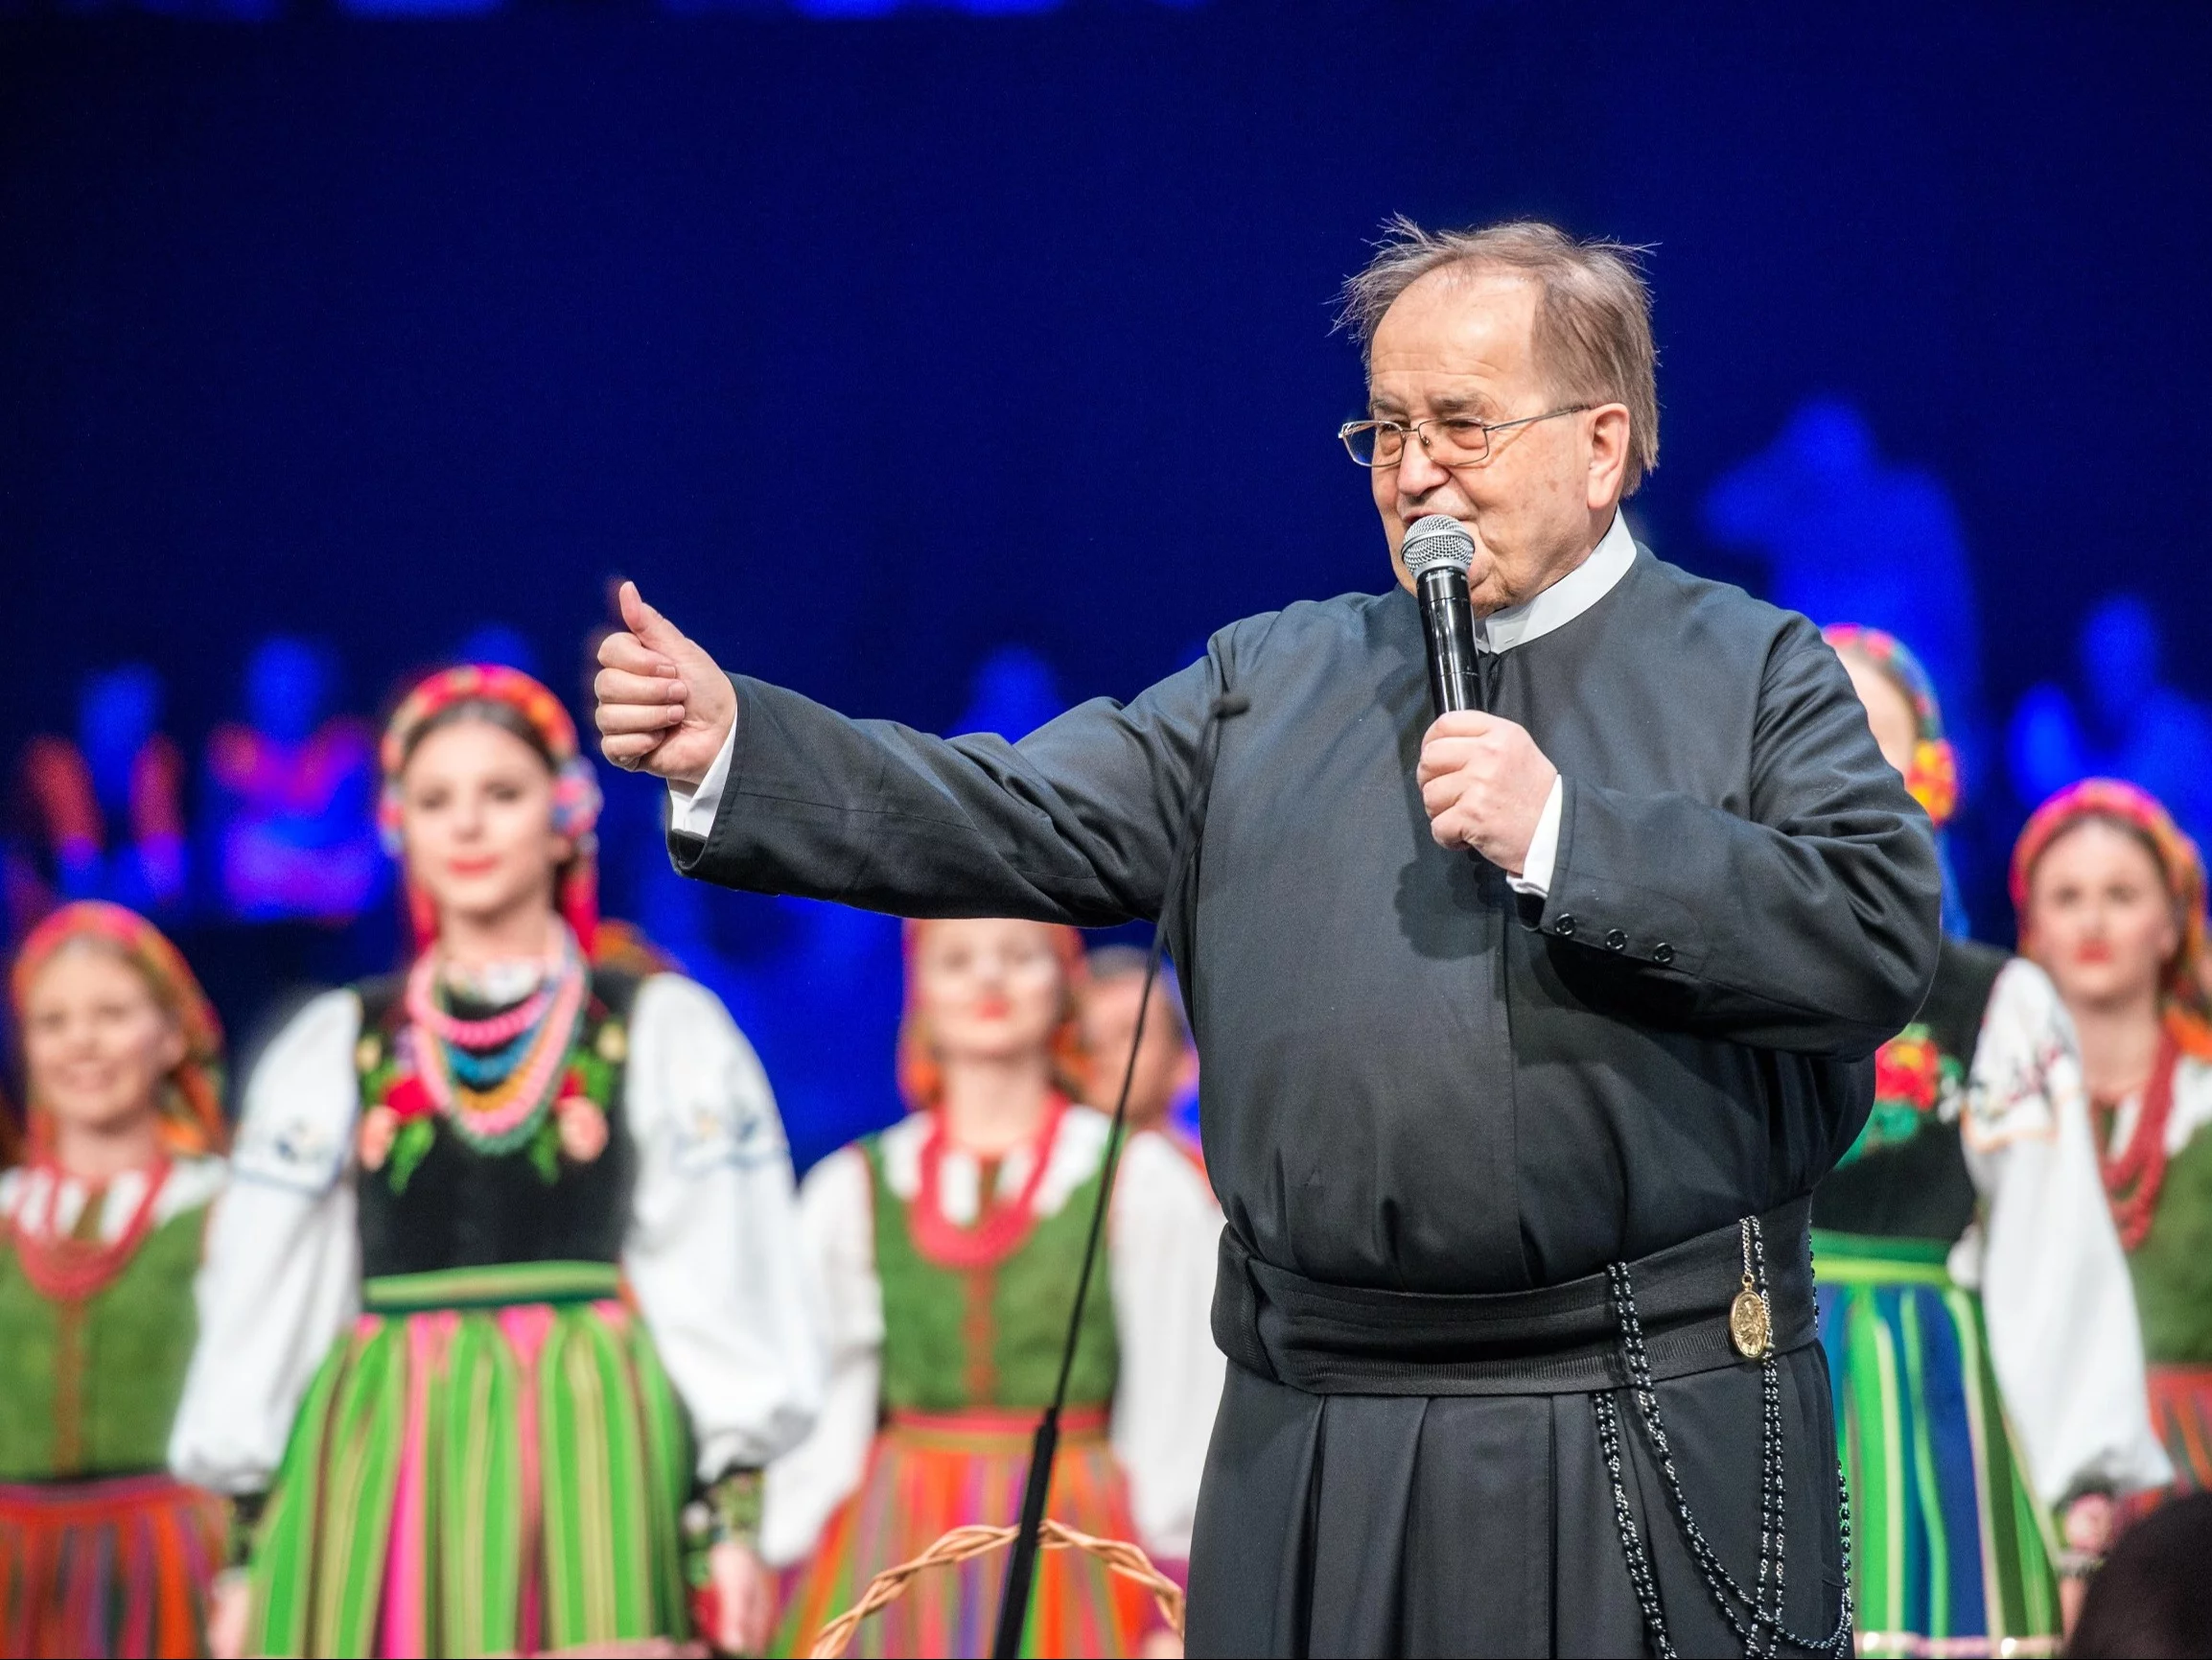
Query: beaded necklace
494,1108
65,1270
2133,1178
1002,1227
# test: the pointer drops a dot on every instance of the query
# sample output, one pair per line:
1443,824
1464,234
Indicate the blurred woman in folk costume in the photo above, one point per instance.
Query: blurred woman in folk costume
101,1551
1974,1305
2111,901
509,1294
949,1248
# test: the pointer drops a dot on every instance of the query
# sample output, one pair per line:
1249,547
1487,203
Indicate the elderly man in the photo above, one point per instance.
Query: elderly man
1526,1033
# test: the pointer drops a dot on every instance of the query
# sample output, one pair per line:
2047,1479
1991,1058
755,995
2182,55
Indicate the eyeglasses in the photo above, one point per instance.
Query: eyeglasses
1450,440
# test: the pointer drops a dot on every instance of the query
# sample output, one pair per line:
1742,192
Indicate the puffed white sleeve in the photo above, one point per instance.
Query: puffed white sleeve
837,1214
1165,1242
280,1279
713,1251
2055,1289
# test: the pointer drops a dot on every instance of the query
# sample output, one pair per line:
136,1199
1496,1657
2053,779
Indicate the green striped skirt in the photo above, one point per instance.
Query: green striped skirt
1951,1550
490,1461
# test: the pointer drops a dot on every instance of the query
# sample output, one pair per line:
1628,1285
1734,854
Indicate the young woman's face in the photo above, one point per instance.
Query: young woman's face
988,989
476,822
2101,920
97,1043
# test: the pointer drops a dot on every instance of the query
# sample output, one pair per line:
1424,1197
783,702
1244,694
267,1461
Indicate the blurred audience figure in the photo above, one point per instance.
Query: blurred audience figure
101,817
2149,1599
292,794
2126,723
1164,1084
1846,533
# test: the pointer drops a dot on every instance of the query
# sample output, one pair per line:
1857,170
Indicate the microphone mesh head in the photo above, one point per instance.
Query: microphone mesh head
1437,540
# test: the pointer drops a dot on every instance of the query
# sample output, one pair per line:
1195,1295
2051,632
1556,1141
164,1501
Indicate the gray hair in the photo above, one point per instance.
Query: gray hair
1592,311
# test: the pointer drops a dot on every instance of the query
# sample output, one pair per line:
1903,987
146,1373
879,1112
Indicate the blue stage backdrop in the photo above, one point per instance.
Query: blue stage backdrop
874,345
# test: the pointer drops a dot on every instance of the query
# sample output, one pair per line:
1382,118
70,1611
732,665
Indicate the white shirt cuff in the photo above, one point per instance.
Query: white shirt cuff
691,811
1535,876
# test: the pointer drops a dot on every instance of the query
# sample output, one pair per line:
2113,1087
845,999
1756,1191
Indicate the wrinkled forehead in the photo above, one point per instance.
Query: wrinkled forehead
1460,339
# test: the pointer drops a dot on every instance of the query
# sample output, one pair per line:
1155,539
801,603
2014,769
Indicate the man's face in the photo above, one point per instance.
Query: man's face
1460,342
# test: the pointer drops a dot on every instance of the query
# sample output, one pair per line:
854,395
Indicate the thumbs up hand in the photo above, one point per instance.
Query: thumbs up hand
664,706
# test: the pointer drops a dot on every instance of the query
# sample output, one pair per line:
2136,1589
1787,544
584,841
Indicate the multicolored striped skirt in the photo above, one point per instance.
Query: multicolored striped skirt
118,1566
929,1474
1952,1551
2181,1414
491,1461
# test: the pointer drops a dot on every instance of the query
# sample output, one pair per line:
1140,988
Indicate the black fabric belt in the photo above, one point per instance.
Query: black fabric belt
1341,1340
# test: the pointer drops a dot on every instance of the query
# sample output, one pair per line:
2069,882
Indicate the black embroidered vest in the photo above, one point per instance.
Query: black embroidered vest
435,1202
1906,1176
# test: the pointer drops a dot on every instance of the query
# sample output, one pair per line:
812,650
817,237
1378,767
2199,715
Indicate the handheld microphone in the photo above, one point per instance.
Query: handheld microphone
1437,552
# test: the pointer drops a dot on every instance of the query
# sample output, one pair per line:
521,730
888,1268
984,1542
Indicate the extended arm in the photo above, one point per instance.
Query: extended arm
1074,824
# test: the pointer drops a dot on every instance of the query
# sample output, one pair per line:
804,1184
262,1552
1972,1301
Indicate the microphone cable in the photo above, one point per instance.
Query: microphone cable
1021,1564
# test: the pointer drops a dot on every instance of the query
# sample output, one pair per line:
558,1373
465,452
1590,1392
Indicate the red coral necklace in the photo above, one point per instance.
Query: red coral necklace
1000,1228
2133,1178
64,1269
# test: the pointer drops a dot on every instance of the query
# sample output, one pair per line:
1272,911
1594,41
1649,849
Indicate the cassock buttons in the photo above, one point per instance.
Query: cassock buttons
1662,953
1565,926
1614,940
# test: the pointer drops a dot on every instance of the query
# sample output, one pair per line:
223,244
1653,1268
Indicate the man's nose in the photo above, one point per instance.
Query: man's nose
1418,471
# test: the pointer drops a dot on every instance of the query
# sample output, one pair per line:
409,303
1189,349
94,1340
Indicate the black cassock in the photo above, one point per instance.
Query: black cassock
1416,1081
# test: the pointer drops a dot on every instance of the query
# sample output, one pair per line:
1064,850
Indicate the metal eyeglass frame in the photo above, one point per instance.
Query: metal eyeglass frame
1349,428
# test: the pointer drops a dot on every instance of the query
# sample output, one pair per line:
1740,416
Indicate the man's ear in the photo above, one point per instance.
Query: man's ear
1607,453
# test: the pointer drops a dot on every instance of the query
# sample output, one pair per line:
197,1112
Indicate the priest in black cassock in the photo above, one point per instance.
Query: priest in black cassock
1526,1034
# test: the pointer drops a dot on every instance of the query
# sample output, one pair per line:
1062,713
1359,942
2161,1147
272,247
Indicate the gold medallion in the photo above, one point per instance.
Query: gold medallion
1748,1327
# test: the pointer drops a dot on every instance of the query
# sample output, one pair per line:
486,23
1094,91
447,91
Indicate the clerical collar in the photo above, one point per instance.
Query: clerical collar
1565,599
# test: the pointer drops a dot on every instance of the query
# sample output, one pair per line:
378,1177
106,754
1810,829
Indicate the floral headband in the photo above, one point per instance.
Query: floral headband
576,799
575,786
2188,977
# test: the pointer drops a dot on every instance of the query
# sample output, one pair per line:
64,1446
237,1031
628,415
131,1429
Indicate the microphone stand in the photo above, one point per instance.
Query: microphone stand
1021,1564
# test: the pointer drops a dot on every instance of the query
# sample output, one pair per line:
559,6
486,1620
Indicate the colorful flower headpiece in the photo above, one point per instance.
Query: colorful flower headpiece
576,798
1933,778
192,1121
921,1080
2188,976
